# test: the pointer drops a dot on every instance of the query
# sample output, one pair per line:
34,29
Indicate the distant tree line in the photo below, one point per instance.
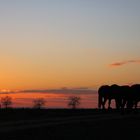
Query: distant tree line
38,103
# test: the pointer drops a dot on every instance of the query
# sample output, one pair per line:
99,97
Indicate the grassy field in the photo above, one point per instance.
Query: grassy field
65,124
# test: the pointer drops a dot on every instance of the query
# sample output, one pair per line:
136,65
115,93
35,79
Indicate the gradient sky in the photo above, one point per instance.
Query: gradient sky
69,43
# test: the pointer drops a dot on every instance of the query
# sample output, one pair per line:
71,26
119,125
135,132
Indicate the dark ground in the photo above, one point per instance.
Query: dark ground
64,124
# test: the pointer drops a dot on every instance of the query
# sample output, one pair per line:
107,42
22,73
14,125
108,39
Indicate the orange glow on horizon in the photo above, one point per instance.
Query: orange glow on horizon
53,100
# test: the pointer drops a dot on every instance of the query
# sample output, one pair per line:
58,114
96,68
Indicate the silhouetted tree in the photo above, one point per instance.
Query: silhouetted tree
39,103
74,101
6,101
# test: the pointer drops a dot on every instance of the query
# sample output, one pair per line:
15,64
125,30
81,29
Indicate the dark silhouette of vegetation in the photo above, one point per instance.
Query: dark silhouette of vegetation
39,103
6,101
74,102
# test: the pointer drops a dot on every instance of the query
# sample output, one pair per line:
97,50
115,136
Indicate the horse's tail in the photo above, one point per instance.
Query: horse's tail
99,100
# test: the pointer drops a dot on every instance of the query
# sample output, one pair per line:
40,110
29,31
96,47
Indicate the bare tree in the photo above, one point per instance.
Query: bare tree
6,101
74,101
39,103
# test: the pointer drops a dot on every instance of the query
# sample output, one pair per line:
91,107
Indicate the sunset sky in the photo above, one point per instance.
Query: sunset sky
69,43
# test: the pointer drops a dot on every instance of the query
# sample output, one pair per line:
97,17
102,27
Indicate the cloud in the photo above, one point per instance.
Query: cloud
4,91
63,90
117,64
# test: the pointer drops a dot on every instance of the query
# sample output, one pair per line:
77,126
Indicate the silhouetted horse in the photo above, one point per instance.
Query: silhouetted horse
103,94
108,93
134,98
125,96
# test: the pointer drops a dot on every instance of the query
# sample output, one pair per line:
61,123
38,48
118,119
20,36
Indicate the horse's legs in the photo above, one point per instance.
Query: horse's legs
109,103
104,102
124,102
117,103
100,101
136,104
